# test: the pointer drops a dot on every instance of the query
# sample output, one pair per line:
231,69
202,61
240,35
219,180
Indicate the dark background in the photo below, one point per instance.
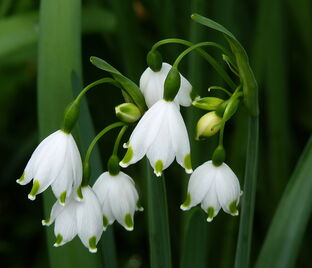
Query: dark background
278,39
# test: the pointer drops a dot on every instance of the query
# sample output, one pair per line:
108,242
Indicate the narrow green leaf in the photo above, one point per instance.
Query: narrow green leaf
242,257
248,81
130,87
158,223
286,231
59,28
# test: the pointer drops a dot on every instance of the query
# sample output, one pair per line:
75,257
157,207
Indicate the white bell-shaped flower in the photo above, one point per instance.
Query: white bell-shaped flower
56,162
78,217
214,187
118,198
161,135
152,86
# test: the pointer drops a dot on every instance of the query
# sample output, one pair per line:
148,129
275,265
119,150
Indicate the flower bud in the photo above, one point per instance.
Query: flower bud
208,103
154,60
172,84
208,125
128,112
113,165
218,156
70,117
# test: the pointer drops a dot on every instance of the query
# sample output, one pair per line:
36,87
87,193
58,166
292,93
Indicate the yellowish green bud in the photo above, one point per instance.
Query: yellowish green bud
208,125
128,112
208,103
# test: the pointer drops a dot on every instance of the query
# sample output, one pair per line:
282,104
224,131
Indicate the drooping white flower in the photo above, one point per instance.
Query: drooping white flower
118,198
214,187
161,135
56,162
78,217
152,86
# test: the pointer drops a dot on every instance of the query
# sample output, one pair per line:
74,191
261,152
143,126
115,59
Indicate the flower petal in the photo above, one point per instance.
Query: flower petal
184,95
144,134
210,203
102,188
161,153
65,228
228,188
179,138
89,219
199,185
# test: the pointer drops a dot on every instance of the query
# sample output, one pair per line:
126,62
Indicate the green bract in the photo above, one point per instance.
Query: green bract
246,75
208,103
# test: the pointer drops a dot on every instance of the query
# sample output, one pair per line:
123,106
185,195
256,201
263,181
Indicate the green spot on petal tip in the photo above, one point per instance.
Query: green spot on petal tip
128,156
233,208
105,222
188,163
79,193
187,202
22,178
45,222
210,212
92,244
129,222
34,190
159,165
59,240
63,198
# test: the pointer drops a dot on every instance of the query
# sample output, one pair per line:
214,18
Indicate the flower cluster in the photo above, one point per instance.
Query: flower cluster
160,134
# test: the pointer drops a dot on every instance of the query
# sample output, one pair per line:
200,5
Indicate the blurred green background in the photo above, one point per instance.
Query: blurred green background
277,35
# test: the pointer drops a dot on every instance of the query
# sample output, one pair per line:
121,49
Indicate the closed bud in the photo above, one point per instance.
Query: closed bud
208,125
218,156
70,117
208,103
172,84
128,112
154,60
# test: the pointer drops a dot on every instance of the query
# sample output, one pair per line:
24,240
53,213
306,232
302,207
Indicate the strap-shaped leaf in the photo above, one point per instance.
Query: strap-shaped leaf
248,81
286,232
129,86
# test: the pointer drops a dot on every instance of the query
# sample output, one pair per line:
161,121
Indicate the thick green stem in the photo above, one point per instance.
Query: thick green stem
242,257
158,222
